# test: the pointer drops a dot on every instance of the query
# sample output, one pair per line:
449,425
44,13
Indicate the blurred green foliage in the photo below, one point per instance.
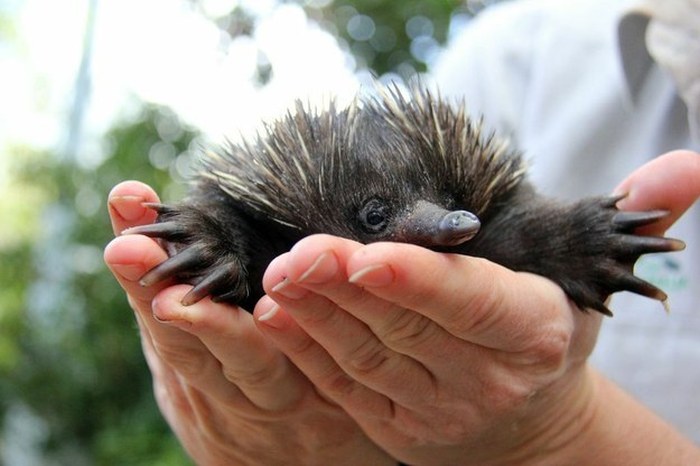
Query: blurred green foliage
70,357
69,347
389,37
382,36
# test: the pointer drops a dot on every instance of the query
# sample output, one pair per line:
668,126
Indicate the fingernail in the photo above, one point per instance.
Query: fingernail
373,276
128,207
268,317
181,323
171,313
129,272
289,290
323,269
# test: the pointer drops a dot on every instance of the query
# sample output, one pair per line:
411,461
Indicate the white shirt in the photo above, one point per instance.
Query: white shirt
574,86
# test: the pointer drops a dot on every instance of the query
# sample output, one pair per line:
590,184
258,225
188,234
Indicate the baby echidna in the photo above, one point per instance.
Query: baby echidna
391,168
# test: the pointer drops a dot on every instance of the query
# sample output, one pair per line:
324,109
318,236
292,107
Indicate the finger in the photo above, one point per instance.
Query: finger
670,182
248,359
390,326
125,202
315,261
317,364
472,298
191,360
128,257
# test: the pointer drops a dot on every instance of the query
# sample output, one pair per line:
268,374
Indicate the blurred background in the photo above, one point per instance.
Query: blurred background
98,91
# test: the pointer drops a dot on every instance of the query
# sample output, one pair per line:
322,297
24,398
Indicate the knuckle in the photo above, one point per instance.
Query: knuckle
258,377
338,384
551,351
366,358
505,395
477,315
478,311
303,346
323,313
407,330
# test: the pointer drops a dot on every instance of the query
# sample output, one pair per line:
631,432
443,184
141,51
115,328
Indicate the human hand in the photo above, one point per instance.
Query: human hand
447,359
442,359
229,395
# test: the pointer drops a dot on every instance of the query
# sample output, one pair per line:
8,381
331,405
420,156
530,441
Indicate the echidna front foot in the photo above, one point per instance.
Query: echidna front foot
606,249
201,254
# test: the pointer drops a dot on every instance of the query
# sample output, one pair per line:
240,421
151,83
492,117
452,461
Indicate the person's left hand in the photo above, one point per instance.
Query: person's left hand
229,395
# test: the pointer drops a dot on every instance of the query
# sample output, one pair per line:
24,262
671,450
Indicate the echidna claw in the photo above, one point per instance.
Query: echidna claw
634,245
158,207
222,275
169,268
171,231
625,280
625,219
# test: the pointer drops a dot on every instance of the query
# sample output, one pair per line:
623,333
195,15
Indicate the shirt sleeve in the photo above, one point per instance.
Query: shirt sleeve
488,64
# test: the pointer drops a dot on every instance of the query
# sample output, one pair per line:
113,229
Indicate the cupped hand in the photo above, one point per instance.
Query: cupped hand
229,395
447,359
441,359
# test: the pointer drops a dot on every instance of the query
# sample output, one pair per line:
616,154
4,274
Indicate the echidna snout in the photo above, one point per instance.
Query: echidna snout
457,227
430,225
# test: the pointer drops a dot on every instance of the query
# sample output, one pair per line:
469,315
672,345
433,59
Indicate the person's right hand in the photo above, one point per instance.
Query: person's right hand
230,396
446,359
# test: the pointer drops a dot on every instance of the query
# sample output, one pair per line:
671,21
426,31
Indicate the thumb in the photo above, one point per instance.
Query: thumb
670,182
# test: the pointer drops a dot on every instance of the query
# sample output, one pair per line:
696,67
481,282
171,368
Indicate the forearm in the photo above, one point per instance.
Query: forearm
619,430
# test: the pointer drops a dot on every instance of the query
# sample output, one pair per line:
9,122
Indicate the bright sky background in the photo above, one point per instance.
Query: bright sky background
159,51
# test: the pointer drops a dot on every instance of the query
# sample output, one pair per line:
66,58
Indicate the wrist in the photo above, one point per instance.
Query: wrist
567,410
610,427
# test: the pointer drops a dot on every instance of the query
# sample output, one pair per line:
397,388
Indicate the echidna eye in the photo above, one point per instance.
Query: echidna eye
374,216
